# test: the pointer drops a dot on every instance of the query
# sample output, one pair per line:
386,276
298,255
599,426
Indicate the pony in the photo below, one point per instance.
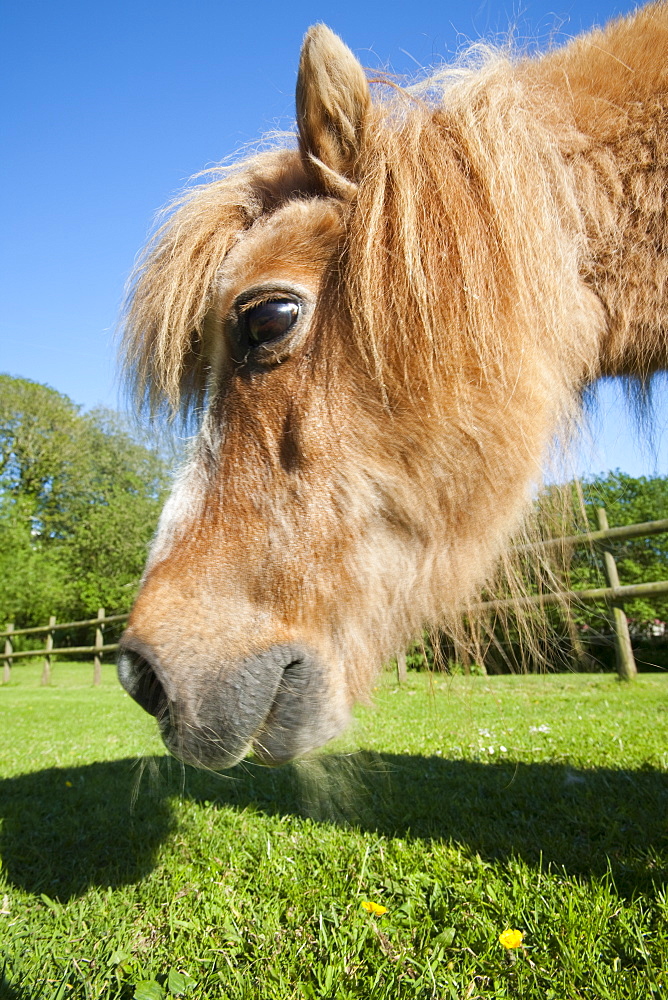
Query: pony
378,334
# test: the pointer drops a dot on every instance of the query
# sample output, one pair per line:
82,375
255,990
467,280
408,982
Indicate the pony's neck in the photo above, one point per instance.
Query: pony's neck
612,88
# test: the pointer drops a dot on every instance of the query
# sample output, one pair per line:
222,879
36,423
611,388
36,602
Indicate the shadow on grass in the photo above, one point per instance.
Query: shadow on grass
21,992
65,829
7,991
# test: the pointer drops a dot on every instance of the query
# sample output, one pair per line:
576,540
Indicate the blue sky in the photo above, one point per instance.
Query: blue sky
110,108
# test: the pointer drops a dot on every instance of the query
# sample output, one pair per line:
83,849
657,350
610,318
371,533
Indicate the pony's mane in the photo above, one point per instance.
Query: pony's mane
441,203
462,195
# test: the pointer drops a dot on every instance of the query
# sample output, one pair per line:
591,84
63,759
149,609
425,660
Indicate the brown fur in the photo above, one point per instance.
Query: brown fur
471,255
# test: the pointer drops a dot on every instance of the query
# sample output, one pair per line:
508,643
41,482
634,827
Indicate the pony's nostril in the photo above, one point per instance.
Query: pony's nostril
140,681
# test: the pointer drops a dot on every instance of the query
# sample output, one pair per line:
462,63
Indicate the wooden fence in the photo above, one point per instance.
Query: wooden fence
98,649
614,594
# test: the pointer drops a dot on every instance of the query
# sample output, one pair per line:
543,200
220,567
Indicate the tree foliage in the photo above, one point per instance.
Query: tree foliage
79,502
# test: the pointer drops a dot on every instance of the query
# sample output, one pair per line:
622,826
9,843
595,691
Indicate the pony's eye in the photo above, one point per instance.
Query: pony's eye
269,320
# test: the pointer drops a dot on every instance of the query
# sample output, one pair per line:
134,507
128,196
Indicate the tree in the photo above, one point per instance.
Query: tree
79,502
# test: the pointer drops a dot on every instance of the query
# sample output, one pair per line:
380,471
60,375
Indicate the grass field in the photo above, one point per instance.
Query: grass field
464,806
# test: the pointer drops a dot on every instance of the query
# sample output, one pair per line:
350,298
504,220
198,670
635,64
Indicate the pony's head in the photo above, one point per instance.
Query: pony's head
377,354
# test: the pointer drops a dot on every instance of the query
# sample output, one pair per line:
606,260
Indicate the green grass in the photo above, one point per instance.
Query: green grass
126,875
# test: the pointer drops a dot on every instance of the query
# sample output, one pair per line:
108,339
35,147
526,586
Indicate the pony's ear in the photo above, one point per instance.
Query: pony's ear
332,103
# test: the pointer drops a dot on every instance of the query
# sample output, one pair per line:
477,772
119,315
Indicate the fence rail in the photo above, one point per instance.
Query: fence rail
60,651
35,629
614,594
607,594
640,530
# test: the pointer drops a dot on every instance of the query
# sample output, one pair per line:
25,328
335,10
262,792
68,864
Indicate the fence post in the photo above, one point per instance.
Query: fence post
46,672
626,664
401,667
7,671
97,659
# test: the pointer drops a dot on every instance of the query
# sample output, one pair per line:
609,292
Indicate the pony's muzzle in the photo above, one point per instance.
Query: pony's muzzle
275,702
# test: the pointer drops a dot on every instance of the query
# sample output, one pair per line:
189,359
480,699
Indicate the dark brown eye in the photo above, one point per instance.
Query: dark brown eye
269,320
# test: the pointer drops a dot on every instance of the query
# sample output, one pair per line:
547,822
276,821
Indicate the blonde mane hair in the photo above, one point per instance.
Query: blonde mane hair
459,188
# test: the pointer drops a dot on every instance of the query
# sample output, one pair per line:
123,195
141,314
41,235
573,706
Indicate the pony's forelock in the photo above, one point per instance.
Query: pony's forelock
169,291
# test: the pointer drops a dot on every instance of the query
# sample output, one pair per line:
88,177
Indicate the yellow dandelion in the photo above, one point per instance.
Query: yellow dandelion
68,784
374,908
511,938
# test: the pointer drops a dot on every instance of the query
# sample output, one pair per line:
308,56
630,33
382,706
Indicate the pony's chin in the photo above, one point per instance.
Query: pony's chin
199,749
274,744
277,703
